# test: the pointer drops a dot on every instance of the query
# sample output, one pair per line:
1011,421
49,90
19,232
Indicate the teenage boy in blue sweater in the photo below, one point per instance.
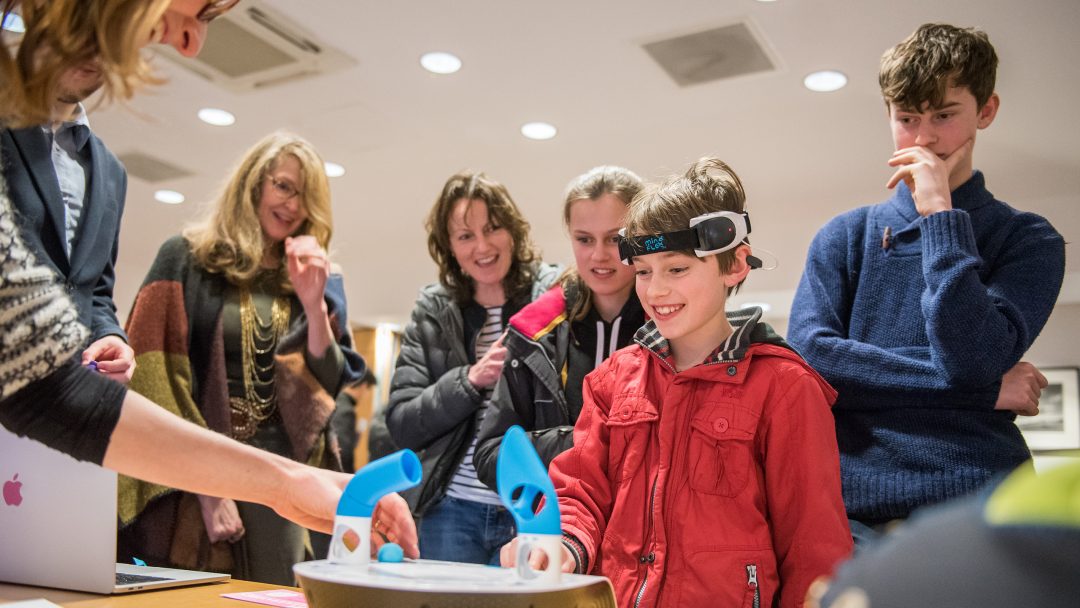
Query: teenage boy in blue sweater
918,309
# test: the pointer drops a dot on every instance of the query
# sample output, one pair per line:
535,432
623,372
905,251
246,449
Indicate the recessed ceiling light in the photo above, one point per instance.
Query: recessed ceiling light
538,130
14,23
825,81
216,117
439,62
334,169
169,197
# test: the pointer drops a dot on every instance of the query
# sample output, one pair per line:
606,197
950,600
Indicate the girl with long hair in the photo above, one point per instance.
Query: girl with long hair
554,342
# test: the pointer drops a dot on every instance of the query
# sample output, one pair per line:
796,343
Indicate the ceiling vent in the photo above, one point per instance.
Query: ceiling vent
150,169
253,47
716,54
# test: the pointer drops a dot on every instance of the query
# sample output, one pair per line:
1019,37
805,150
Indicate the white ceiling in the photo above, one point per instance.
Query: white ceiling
400,131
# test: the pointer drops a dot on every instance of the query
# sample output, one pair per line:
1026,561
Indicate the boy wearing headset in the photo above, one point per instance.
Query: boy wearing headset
704,469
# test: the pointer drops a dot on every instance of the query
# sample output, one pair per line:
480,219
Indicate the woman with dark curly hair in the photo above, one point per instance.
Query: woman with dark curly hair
452,355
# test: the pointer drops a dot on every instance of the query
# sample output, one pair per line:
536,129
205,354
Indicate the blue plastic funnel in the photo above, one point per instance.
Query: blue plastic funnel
521,476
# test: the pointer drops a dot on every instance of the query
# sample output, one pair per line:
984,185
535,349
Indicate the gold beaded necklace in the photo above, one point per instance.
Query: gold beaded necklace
257,337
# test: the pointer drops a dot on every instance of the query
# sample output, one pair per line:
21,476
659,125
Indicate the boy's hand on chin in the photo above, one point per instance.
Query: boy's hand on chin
927,175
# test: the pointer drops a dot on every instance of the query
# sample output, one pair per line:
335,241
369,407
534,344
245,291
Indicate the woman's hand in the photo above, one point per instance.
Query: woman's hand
310,498
221,518
485,372
392,522
113,358
309,269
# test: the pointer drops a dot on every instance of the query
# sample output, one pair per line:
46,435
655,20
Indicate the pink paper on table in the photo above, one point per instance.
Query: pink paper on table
284,598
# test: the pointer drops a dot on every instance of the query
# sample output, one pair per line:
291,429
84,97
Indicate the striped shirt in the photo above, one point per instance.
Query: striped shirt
465,485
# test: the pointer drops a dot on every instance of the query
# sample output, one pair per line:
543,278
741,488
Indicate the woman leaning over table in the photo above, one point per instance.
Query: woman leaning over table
45,394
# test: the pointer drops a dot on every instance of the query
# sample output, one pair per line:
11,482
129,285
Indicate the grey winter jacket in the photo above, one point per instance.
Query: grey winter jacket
433,406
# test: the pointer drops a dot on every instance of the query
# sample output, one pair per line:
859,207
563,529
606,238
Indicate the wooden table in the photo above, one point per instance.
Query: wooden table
198,596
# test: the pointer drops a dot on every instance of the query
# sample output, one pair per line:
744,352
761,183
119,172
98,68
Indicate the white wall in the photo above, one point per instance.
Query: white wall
1059,343
1058,346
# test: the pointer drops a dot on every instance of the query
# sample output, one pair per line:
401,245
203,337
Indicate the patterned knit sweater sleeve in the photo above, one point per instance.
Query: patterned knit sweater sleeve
40,326
40,340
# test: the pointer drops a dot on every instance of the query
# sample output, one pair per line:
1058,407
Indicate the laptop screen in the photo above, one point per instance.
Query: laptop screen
57,518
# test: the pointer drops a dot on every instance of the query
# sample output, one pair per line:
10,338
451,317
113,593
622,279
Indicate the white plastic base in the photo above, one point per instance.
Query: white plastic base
435,577
351,543
431,584
549,544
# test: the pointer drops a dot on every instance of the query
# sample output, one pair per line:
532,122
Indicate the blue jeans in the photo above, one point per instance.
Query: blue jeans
458,530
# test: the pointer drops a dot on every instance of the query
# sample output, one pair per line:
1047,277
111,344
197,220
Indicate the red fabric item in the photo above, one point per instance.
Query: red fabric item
543,314
679,485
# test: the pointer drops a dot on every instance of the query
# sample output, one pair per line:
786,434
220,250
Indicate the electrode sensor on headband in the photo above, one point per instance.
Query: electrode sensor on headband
708,234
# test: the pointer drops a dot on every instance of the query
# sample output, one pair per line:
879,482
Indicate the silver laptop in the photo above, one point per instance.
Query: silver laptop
58,525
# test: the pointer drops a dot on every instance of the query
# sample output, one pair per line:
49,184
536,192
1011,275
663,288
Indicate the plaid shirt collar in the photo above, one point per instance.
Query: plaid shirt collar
731,350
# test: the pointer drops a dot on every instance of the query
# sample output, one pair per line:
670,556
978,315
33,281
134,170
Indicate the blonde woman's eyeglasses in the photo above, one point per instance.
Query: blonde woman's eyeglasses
282,189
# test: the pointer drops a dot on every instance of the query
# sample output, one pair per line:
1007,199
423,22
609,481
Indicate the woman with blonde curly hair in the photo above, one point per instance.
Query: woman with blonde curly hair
102,36
255,345
45,393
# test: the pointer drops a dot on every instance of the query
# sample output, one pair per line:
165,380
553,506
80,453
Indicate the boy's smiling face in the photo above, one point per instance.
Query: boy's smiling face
943,130
685,296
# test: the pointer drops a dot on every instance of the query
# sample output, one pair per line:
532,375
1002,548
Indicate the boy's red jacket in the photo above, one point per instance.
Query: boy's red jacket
704,487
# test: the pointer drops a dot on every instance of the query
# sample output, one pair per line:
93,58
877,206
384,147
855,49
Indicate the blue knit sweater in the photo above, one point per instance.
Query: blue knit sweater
916,332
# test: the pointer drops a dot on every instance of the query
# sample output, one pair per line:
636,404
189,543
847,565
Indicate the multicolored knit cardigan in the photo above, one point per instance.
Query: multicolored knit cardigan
39,326
175,329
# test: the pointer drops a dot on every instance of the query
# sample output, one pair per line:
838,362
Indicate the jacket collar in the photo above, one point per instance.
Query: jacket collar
33,146
747,328
78,123
542,315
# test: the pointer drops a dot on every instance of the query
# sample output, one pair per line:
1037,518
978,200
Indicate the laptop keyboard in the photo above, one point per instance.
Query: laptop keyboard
130,579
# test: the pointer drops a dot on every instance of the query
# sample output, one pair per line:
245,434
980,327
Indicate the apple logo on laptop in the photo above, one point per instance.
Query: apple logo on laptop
12,489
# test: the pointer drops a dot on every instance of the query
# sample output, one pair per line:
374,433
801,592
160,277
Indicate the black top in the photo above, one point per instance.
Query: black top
583,355
83,409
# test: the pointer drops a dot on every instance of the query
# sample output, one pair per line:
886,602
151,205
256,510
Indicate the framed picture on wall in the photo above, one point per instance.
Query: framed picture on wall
1057,427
